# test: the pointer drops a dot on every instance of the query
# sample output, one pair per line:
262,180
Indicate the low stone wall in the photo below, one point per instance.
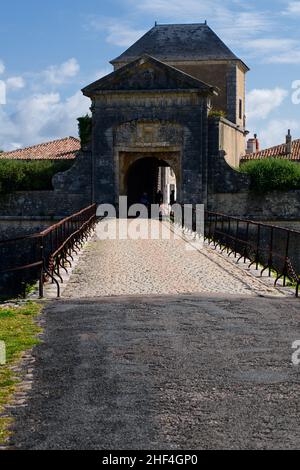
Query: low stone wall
55,204
13,228
72,192
268,206
41,204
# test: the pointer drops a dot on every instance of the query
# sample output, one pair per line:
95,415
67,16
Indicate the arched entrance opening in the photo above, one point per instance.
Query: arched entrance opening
148,176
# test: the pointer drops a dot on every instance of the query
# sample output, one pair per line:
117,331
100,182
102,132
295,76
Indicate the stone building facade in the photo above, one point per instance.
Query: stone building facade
155,108
196,50
154,112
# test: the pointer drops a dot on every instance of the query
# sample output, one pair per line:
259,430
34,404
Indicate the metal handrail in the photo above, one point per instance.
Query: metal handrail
254,241
54,247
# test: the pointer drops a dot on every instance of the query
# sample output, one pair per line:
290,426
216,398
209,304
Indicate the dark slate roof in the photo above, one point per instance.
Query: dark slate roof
179,42
140,75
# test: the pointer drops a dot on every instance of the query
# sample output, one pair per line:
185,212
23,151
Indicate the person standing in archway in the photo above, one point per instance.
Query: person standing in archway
172,198
145,201
159,198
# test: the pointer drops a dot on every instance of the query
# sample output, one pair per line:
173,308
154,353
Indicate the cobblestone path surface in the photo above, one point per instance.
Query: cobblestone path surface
137,267
180,372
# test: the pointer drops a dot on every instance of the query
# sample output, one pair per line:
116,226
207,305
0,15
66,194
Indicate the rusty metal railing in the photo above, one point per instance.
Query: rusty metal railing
268,247
44,255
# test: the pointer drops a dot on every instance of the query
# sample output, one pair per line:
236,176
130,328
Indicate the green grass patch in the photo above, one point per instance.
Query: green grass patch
272,174
19,331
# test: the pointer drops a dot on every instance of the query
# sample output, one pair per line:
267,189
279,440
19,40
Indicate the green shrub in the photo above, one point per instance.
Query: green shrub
272,174
16,175
85,129
217,113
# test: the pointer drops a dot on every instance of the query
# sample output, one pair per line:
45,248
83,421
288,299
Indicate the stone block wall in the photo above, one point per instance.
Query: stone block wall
187,111
41,204
272,206
72,192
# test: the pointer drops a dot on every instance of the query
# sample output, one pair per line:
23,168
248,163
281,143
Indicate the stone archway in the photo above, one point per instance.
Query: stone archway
138,171
149,175
143,139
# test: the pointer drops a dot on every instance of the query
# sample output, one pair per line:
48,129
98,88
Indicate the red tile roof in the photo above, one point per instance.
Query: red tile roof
62,149
279,151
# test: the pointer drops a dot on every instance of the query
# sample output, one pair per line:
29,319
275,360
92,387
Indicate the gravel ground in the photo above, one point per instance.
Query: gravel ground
179,372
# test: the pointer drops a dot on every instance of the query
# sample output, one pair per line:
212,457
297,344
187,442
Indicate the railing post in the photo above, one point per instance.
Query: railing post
41,279
286,258
236,237
246,244
271,251
257,246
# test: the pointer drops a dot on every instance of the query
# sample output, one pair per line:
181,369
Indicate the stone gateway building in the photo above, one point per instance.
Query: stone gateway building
154,111
170,117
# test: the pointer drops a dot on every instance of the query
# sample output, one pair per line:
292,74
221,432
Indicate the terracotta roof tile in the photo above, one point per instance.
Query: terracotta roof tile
279,151
62,149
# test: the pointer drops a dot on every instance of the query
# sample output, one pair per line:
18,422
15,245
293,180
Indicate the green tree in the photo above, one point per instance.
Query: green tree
272,174
85,129
16,175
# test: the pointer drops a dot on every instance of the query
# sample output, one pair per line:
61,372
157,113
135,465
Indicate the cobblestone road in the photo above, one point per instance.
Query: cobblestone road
139,267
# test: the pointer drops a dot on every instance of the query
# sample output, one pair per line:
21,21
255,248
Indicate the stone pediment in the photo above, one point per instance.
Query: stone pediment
146,74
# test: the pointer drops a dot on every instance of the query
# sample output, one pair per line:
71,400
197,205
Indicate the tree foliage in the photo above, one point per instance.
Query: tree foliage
16,175
85,129
273,174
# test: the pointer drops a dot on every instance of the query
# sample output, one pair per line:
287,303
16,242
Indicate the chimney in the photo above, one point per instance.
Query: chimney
257,143
252,145
288,143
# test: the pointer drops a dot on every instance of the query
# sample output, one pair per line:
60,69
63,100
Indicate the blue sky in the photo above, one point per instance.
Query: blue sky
50,50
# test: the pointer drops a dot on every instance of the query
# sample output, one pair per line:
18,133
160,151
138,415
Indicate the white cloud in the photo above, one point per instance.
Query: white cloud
178,9
267,45
288,57
2,67
261,102
123,35
15,83
102,73
119,33
41,117
2,92
273,50
238,28
59,74
293,9
275,131
234,25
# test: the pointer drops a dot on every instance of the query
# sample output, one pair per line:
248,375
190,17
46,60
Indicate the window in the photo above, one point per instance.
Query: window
241,109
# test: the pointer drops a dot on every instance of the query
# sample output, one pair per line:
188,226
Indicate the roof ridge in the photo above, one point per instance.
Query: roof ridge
275,151
39,145
181,24
196,82
274,147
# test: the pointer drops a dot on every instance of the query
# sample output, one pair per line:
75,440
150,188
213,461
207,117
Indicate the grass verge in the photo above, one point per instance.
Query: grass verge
19,331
